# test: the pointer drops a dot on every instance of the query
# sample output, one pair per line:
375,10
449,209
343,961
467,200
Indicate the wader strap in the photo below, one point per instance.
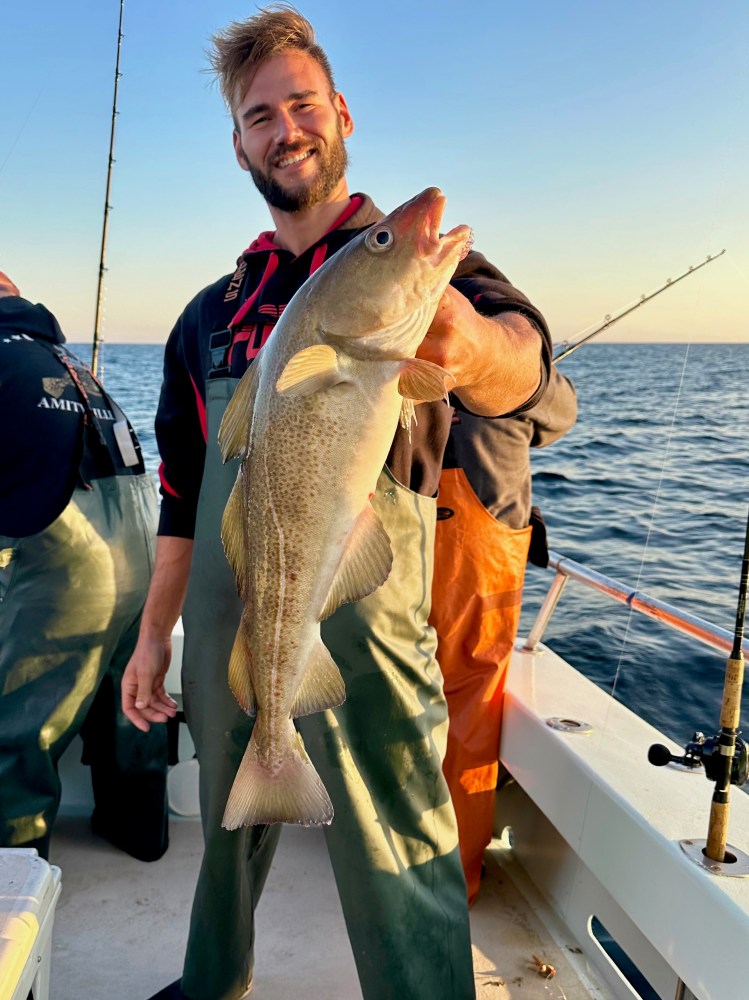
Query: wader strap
92,423
220,341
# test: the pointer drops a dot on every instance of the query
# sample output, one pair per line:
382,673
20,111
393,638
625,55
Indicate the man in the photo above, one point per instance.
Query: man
483,540
77,524
393,841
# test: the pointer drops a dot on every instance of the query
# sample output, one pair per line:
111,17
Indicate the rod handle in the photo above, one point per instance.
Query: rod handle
730,713
717,834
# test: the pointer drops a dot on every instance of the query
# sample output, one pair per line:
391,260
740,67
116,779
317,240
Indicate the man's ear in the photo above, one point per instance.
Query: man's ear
347,122
238,151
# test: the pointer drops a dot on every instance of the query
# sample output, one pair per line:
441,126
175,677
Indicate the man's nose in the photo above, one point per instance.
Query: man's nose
287,129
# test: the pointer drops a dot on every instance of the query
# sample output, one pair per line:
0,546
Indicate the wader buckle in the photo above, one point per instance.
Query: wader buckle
219,345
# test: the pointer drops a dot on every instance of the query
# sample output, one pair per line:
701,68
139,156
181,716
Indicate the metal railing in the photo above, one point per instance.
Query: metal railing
667,614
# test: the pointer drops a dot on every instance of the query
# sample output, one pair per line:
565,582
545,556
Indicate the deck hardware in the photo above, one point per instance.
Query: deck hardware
735,863
565,725
520,647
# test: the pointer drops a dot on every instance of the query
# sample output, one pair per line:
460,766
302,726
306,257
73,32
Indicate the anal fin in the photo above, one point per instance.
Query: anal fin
321,686
365,565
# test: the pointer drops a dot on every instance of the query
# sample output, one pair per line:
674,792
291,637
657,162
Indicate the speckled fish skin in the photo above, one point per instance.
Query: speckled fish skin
313,419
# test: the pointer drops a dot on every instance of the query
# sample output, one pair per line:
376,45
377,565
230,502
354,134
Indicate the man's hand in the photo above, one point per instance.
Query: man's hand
144,697
496,362
446,343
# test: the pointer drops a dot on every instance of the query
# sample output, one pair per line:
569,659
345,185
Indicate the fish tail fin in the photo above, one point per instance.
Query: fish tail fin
321,686
289,793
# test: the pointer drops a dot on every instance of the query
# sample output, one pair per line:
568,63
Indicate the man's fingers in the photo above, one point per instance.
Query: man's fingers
164,704
142,717
145,688
137,719
154,714
144,698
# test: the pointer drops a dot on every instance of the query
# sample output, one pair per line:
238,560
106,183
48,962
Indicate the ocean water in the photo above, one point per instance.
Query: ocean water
650,487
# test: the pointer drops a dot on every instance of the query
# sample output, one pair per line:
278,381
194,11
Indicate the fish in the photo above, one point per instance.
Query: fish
313,419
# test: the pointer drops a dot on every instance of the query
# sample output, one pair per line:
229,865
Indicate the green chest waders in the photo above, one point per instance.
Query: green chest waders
70,604
393,841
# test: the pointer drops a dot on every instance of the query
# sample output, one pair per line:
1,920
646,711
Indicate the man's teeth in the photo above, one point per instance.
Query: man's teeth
288,160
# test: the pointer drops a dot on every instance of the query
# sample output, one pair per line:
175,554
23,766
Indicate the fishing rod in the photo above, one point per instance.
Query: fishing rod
731,748
107,206
725,757
566,347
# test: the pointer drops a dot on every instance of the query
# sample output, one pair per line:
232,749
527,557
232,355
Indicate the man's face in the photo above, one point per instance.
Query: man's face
290,132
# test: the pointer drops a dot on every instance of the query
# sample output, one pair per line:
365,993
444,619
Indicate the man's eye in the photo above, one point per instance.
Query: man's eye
259,121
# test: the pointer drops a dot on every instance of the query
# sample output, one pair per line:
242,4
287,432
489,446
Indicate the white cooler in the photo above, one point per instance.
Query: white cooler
29,889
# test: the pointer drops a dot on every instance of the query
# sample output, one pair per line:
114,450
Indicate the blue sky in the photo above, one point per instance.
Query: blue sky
596,148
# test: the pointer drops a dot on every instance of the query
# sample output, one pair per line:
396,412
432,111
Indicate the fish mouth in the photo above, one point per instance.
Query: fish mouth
434,247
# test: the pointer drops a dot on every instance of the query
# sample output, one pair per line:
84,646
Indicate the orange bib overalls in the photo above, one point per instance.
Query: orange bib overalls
479,566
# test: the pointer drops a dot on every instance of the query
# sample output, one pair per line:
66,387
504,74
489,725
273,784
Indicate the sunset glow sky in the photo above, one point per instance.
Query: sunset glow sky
595,148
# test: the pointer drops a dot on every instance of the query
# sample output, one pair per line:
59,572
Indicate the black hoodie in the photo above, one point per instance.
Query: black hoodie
46,447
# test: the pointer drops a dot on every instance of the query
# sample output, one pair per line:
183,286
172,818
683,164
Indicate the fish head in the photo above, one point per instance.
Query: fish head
391,279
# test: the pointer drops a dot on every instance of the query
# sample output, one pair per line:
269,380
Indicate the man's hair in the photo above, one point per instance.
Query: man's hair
240,49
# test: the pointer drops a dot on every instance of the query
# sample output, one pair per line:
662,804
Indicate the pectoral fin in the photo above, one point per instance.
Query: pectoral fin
423,380
232,434
365,565
321,686
309,371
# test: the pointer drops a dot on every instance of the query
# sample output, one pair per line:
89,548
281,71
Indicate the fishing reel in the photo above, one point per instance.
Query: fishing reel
705,752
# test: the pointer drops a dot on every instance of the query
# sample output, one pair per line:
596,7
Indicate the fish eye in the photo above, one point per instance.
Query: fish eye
379,239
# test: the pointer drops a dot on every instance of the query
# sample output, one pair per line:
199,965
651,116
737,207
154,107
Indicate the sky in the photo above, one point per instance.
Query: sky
596,149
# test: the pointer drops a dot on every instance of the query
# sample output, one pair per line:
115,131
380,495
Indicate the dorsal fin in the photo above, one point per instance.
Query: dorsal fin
232,434
240,672
233,534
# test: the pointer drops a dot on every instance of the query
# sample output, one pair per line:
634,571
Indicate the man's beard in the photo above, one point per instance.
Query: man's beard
333,161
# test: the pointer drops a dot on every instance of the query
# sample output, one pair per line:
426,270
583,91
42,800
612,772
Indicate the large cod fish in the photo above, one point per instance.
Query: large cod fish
313,419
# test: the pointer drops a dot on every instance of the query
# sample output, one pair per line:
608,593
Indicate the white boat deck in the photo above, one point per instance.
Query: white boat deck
121,925
593,824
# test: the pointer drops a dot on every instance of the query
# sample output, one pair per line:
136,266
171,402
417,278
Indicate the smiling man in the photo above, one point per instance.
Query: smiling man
294,148
393,840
